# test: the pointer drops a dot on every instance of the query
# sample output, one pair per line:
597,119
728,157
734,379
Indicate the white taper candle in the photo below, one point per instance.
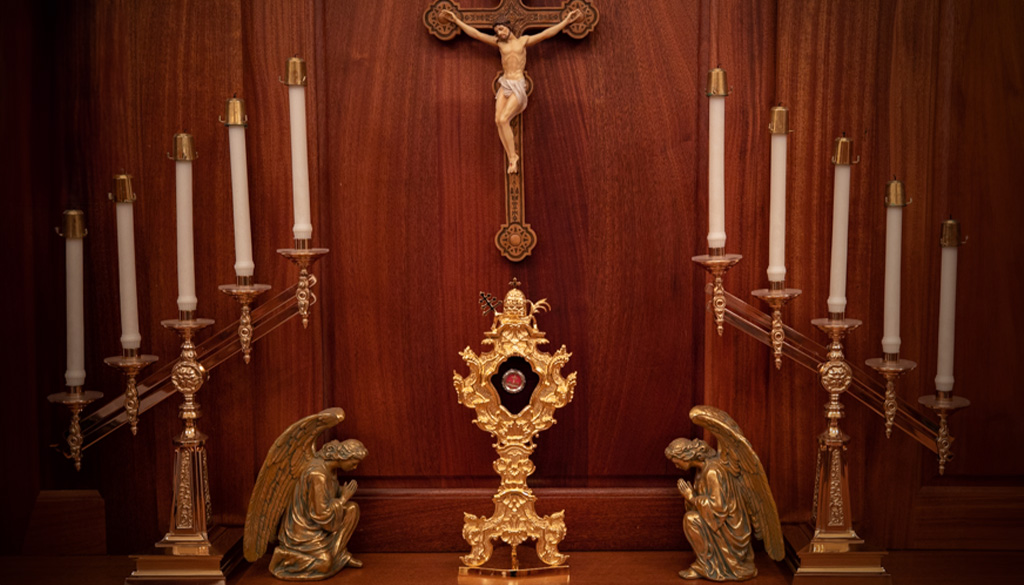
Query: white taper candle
840,226
295,79
73,232
717,90
950,241
895,201
125,212
184,153
236,122
779,128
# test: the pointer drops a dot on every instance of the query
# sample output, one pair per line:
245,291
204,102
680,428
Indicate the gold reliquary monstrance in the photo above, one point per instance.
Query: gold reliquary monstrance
515,389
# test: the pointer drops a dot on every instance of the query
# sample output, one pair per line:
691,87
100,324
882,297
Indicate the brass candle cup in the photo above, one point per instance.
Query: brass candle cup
130,364
776,296
244,293
717,263
891,367
304,256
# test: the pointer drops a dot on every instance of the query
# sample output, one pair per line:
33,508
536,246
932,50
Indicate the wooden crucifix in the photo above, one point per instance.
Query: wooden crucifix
509,20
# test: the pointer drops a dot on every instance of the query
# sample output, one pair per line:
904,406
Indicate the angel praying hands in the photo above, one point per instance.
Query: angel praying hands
510,100
298,490
728,502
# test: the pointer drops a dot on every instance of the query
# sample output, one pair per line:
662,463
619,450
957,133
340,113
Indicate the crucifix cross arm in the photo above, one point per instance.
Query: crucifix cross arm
518,17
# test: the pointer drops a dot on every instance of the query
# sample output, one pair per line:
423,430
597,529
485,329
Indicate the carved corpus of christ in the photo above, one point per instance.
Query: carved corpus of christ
445,19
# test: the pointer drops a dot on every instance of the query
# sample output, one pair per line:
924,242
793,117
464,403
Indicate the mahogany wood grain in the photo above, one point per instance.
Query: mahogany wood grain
597,518
406,184
18,40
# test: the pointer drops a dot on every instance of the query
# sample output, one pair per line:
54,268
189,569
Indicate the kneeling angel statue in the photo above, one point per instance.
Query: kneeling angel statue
298,496
728,503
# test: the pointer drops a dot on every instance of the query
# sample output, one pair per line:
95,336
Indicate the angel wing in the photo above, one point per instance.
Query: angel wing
738,456
288,456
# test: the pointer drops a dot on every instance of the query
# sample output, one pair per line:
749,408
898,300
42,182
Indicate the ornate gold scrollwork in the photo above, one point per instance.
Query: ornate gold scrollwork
514,333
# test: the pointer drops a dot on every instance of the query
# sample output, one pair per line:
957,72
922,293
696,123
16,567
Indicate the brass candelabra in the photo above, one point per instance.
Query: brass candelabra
831,512
304,256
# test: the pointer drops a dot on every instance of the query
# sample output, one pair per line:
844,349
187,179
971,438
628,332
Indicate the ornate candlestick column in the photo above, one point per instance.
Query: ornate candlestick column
185,553
190,508
834,550
833,522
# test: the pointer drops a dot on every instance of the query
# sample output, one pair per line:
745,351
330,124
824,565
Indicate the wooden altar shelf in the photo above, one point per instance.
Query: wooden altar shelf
587,568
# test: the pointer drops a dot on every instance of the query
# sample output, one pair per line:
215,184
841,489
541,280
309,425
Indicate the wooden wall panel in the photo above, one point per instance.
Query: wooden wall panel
18,40
407,187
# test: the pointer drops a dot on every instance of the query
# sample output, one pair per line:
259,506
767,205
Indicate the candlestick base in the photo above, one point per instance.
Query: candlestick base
178,569
944,406
777,299
717,265
75,399
304,258
891,370
245,294
130,366
854,566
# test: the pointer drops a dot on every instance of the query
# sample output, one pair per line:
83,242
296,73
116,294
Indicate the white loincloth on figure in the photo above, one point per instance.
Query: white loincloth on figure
516,87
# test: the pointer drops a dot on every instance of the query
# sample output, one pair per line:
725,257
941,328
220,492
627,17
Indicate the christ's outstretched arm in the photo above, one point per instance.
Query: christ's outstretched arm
553,30
472,32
